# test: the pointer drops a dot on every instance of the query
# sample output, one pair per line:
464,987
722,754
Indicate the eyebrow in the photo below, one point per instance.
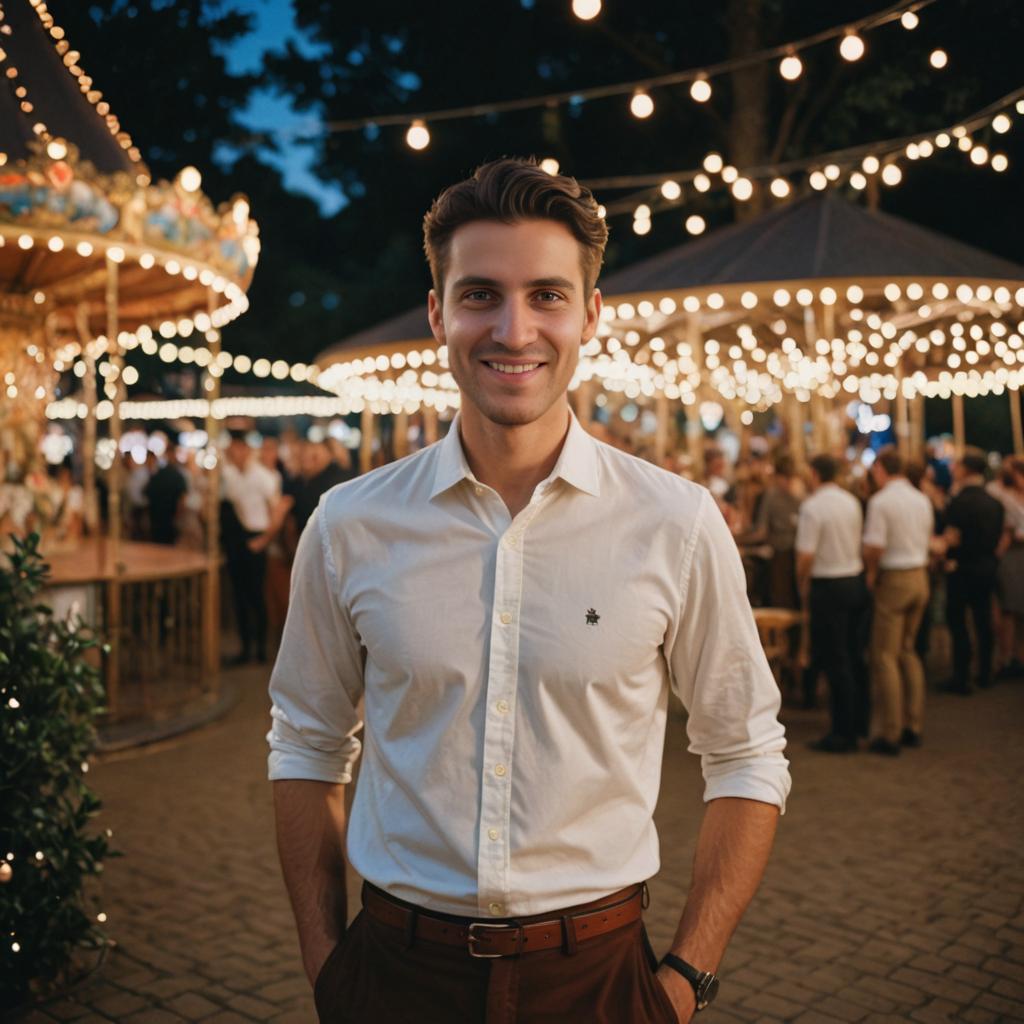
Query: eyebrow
541,282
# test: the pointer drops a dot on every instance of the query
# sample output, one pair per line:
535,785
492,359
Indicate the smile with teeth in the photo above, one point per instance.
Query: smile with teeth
512,367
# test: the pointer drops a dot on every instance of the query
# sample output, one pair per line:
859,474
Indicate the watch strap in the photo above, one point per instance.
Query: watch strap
699,980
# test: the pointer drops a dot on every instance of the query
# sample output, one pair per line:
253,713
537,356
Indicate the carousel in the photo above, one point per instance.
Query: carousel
96,259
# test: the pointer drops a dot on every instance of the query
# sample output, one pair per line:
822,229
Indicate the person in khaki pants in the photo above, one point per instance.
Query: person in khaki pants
897,534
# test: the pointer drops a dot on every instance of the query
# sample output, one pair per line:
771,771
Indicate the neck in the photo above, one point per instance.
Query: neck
513,460
973,481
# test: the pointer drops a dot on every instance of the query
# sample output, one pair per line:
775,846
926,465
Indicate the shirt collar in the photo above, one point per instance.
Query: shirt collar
576,465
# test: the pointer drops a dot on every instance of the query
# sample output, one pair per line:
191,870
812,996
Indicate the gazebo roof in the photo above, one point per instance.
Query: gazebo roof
40,91
819,236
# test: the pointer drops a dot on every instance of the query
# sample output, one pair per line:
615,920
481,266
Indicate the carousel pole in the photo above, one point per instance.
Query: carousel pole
113,589
366,441
1018,434
211,606
92,516
958,424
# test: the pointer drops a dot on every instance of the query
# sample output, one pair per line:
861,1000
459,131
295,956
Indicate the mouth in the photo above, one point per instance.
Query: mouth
512,369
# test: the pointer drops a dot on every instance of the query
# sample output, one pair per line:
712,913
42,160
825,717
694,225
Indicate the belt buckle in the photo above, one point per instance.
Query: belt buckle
472,938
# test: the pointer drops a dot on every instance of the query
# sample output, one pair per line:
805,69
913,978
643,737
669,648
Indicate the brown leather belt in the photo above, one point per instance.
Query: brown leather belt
489,939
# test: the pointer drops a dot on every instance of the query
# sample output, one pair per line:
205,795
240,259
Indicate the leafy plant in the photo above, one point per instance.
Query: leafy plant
50,697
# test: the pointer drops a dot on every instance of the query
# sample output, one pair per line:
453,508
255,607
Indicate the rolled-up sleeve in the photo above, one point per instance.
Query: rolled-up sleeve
719,671
318,677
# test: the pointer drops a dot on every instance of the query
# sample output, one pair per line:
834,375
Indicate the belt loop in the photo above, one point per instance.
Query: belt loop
568,935
645,896
410,928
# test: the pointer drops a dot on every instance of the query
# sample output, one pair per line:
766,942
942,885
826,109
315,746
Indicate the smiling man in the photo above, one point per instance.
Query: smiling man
513,605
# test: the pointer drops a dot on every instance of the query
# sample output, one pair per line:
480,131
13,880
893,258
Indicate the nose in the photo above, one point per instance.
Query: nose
514,327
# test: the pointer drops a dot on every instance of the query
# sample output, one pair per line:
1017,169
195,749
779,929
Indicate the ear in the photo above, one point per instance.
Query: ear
592,316
435,317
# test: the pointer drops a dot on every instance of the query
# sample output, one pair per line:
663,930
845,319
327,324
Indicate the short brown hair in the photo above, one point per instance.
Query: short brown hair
826,467
890,460
509,191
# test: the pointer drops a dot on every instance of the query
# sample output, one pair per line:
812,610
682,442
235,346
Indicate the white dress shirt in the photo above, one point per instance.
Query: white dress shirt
900,520
252,491
829,527
516,673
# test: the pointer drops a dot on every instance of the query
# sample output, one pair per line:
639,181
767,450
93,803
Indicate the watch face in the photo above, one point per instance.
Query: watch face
707,990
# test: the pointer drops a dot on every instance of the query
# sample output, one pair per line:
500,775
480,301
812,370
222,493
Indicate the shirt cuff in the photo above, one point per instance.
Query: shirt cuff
766,780
290,761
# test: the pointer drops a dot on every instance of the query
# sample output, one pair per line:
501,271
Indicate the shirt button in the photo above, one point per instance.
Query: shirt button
492,833
499,770
510,542
506,618
479,490
496,909
502,707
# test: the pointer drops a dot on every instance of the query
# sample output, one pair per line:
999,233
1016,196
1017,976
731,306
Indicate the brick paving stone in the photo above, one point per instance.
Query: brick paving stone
192,1006
895,888
816,1017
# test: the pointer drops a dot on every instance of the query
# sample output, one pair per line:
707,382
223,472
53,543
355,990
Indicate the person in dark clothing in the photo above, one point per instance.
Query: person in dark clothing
974,527
164,491
320,473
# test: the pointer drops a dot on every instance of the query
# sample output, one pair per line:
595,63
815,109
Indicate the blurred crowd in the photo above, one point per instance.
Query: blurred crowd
866,554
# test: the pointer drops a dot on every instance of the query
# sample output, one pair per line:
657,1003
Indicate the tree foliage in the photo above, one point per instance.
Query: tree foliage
50,698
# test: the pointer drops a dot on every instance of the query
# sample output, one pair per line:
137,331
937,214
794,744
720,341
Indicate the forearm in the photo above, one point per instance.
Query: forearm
310,820
732,850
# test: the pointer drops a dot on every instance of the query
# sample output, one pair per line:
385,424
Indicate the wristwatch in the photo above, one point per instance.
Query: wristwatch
705,984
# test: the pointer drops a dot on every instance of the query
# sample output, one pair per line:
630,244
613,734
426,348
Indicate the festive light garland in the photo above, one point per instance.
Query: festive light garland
851,48
852,167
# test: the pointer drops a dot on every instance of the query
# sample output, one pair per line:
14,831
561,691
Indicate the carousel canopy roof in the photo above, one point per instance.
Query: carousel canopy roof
42,92
819,236
410,326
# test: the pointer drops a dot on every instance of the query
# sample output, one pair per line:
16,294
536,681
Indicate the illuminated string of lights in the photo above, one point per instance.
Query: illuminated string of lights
851,167
851,48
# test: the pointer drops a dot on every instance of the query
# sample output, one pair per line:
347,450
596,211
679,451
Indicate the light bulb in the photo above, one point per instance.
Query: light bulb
858,181
586,10
671,190
701,182
852,47
870,164
791,67
938,59
818,181
979,155
190,179
713,163
418,135
57,150
695,224
832,172
700,91
780,188
909,20
550,165
642,227
891,174
1001,124
641,105
742,189
999,162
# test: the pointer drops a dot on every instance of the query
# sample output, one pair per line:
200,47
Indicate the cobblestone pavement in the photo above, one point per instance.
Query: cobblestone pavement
894,894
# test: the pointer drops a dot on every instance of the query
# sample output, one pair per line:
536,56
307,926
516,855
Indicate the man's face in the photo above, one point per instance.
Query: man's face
238,452
513,316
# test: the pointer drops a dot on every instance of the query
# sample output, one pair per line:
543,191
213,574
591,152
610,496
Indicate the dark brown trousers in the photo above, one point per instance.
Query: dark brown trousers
374,976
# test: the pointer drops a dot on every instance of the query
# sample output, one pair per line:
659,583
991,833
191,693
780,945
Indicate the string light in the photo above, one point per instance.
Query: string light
700,90
418,135
909,20
742,189
641,105
938,59
550,165
190,179
780,188
695,224
852,47
586,10
791,67
671,190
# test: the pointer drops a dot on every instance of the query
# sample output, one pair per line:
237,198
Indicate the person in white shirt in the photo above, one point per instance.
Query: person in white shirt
513,605
830,572
897,538
249,517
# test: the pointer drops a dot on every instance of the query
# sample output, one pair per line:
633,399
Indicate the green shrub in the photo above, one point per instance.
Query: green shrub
50,697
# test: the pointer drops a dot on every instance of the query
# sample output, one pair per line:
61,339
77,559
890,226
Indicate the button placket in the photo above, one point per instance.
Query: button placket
494,855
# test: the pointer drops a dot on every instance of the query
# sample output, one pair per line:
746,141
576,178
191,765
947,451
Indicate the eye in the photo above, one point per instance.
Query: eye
477,295
549,296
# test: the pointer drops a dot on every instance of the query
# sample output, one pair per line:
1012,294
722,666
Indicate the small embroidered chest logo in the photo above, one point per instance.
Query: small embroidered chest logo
592,617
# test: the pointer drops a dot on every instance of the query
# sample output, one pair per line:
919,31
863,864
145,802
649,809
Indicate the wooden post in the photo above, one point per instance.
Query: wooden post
400,435
583,402
114,610
902,423
211,609
794,418
429,414
1018,435
366,442
958,424
917,438
661,429
694,427
91,511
